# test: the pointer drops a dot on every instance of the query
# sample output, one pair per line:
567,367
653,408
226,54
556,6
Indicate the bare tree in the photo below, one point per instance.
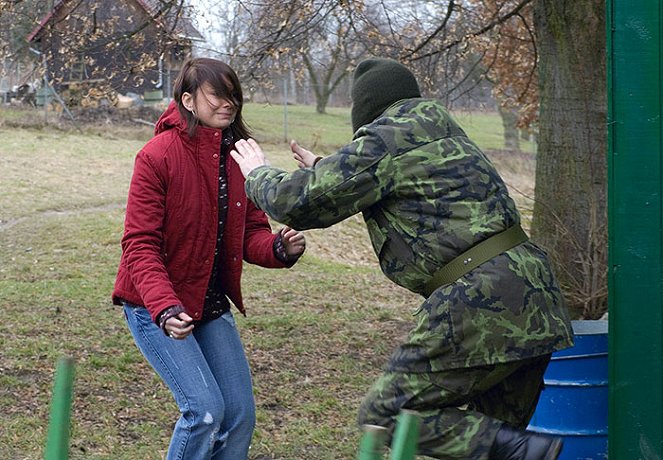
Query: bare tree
328,57
326,37
513,56
309,40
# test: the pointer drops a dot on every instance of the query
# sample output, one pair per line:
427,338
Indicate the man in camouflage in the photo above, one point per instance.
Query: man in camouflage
443,225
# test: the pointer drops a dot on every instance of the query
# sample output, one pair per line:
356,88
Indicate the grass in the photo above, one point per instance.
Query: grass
485,128
316,335
323,133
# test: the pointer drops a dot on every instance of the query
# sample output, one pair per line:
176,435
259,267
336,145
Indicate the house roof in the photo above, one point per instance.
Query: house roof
174,20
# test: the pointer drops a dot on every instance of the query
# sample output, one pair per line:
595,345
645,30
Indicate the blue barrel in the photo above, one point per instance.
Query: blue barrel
574,402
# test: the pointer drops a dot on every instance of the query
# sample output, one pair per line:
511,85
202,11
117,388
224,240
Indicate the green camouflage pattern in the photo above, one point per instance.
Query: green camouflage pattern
461,410
421,183
506,309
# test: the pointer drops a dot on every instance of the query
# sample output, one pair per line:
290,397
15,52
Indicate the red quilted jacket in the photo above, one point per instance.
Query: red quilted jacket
171,222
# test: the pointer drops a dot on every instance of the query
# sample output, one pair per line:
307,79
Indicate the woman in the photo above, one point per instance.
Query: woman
188,227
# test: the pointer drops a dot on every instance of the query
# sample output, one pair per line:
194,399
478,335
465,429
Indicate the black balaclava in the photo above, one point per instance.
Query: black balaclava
378,83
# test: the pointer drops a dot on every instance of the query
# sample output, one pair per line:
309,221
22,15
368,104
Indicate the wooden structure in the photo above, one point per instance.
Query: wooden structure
114,46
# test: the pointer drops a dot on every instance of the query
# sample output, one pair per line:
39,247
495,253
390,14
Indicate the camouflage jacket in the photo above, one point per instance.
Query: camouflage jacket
427,194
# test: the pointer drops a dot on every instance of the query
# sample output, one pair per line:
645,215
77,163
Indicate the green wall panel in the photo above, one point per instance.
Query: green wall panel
635,167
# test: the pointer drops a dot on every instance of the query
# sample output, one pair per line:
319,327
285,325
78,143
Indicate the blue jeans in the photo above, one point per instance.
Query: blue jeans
209,376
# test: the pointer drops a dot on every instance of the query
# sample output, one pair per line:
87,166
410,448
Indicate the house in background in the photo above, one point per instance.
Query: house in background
105,47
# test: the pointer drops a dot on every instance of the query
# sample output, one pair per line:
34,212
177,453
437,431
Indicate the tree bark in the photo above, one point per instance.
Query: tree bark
570,211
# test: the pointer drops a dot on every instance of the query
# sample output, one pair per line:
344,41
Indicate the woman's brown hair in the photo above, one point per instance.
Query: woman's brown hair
222,78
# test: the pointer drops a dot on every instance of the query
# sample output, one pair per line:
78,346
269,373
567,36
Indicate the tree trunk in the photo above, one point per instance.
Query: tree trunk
509,122
321,101
325,79
570,212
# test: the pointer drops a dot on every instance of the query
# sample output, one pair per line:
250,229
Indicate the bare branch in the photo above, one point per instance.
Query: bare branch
439,29
486,28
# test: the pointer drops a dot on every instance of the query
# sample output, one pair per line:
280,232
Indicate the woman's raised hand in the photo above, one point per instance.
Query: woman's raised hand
248,155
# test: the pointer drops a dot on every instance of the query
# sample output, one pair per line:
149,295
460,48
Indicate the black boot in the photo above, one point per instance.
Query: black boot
513,444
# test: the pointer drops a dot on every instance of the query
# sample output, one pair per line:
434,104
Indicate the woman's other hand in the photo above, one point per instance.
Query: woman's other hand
179,326
293,241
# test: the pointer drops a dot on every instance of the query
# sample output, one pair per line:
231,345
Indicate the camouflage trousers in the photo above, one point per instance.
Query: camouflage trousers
461,409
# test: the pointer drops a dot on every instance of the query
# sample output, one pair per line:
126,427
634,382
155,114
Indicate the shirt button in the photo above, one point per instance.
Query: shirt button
216,155
239,205
216,134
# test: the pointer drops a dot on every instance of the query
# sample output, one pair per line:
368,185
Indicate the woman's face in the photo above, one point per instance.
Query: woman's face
212,111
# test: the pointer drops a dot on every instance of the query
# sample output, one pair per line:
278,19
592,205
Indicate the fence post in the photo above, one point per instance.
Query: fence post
57,443
372,442
406,436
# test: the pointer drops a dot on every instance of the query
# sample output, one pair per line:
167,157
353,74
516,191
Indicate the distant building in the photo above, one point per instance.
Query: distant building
116,46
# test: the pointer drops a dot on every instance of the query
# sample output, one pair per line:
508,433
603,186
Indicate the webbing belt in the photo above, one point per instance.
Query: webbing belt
475,256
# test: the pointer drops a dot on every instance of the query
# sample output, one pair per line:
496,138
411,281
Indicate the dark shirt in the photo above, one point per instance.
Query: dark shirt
216,302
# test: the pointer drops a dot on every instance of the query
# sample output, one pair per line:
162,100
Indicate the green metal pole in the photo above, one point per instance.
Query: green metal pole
372,444
57,444
635,219
406,436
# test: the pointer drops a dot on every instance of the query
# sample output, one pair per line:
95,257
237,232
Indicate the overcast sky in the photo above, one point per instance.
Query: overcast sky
206,10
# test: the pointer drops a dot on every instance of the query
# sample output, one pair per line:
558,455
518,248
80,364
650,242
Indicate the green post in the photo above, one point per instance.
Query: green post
57,444
372,442
635,219
406,436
